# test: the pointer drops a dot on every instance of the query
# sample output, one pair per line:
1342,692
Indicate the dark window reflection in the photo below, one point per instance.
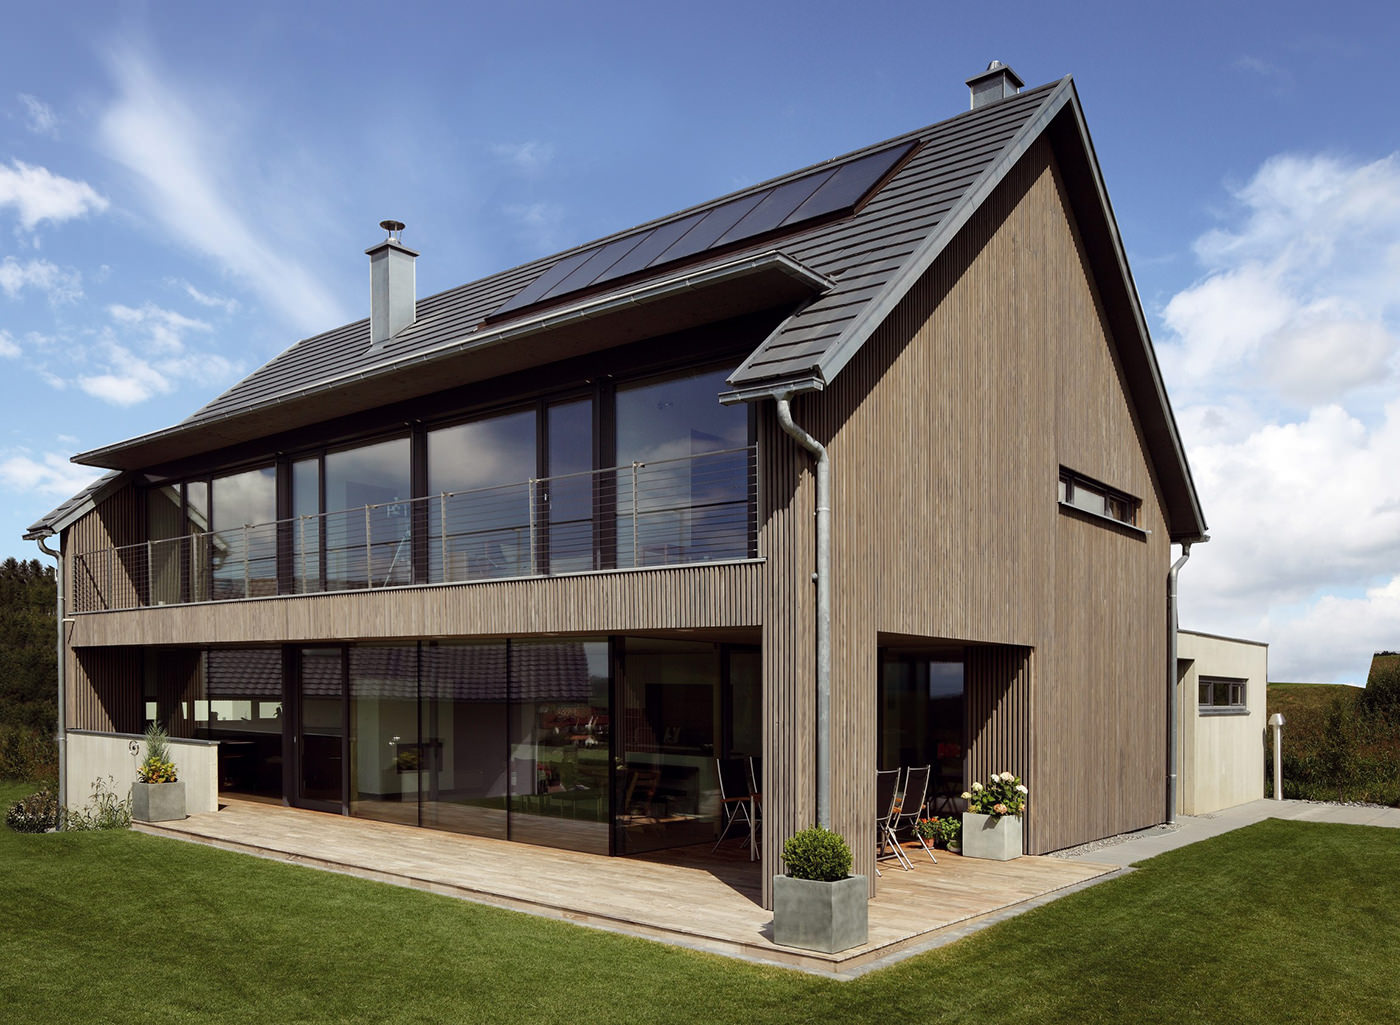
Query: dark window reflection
922,712
244,545
482,527
559,728
688,501
463,712
387,759
374,548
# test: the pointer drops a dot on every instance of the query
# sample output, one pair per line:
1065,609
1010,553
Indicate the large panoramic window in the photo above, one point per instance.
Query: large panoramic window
462,708
479,517
368,525
681,486
387,757
243,549
921,719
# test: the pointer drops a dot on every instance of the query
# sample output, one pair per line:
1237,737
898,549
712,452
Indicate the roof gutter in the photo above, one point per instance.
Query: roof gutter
477,339
1173,707
62,726
822,578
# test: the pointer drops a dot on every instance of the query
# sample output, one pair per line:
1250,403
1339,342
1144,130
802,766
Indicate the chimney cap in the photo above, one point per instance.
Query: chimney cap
394,228
996,83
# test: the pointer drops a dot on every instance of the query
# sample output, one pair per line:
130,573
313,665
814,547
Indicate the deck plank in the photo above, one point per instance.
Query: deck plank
688,896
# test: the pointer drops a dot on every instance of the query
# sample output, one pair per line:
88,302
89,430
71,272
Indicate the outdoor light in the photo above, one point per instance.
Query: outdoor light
1276,724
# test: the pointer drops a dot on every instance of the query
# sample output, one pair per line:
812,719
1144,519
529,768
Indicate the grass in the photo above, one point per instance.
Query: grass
1308,698
1280,922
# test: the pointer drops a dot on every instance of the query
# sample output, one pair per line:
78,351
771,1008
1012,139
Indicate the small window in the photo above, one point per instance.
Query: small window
1097,499
1219,696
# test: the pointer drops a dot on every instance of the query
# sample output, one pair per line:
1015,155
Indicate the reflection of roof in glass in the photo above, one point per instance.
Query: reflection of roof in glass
539,671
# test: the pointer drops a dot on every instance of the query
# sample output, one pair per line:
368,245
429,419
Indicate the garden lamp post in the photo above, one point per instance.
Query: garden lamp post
1276,724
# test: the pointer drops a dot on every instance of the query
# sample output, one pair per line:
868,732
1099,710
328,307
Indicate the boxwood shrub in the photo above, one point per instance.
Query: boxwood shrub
817,853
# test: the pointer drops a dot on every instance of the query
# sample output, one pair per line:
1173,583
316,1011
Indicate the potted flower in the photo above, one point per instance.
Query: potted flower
992,822
949,834
819,905
158,795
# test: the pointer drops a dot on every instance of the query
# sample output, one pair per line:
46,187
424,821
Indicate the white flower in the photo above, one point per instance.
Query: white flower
966,796
1007,777
1021,790
977,787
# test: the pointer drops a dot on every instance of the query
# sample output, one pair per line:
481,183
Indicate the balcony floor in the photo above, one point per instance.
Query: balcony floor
688,897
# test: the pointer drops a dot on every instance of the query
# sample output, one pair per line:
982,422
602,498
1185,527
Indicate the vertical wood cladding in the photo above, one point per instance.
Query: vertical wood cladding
104,691
107,580
946,433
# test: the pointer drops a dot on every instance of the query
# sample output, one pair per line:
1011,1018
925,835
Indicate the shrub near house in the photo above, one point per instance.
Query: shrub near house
1340,743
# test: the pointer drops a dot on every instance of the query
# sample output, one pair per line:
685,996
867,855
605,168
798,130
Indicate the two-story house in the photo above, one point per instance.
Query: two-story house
866,466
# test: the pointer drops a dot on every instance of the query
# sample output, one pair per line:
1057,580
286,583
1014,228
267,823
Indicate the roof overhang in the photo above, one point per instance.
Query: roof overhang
705,295
60,519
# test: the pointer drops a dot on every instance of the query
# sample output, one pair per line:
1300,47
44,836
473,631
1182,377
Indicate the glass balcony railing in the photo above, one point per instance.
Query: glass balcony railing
699,508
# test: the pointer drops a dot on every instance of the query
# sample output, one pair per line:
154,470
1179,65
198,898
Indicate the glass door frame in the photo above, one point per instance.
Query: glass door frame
292,743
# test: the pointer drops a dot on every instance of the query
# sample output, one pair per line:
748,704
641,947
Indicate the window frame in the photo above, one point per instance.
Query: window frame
1116,507
1234,687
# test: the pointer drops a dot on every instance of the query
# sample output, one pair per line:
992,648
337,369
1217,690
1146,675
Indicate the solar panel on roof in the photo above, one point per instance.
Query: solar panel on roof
821,193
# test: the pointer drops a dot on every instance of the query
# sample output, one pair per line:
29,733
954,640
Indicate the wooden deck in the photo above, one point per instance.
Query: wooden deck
688,897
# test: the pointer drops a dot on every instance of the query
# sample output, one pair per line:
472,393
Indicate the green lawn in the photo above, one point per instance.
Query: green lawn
1281,922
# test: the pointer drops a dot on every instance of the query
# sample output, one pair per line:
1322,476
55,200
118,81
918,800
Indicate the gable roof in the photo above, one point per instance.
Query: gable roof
832,281
56,521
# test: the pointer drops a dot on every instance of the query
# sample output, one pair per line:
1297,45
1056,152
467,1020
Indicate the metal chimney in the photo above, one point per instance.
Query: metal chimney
996,83
393,302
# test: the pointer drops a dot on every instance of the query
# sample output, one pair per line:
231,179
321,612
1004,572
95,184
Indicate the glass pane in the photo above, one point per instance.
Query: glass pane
463,715
200,547
746,704
321,741
667,790
306,526
922,709
569,492
481,528
245,716
688,499
559,723
368,522
386,758
244,545
165,525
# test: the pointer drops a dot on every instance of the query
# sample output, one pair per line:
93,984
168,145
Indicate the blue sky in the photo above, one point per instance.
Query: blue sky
186,189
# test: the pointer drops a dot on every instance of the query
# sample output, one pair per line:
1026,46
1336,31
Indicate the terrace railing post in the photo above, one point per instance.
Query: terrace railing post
246,549
635,545
530,497
369,554
301,541
442,530
150,561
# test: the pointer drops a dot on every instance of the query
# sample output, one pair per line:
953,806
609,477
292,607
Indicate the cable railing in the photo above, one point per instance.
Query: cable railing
667,512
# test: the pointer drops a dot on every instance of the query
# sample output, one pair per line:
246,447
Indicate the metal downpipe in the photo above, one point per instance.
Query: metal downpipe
822,577
62,728
1173,711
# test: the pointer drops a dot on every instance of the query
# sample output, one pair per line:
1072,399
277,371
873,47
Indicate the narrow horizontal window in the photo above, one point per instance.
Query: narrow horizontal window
1222,695
1082,493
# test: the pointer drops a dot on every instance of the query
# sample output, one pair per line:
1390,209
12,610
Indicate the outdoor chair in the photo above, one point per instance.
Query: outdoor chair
911,807
735,801
886,808
756,802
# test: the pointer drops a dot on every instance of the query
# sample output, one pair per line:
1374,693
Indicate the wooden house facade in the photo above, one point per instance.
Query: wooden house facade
948,315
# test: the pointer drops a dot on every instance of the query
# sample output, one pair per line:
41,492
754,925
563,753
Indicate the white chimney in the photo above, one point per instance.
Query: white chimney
996,83
393,302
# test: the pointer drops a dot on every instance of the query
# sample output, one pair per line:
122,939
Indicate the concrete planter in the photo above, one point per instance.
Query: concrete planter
990,837
816,915
158,802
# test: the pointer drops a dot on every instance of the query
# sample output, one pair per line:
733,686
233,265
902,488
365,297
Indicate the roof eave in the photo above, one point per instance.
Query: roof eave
786,279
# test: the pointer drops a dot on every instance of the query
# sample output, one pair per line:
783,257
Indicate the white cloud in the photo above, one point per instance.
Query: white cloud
164,330
59,284
217,302
40,195
9,348
39,116
529,157
1282,361
203,193
51,474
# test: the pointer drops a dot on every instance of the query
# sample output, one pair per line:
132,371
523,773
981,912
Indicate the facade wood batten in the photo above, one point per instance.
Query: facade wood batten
540,594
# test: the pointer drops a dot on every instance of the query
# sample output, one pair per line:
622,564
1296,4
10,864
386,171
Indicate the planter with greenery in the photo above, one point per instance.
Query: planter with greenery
158,795
819,905
991,826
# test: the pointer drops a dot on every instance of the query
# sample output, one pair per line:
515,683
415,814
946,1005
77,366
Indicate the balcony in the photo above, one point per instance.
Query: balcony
695,509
